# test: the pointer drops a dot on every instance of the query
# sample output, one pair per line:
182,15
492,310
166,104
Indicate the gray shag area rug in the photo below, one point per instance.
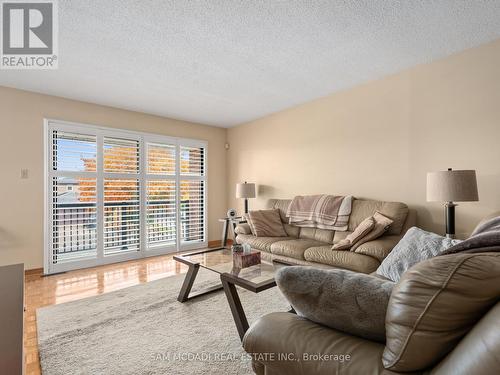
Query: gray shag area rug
144,330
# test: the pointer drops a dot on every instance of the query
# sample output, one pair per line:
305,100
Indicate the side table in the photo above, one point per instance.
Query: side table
234,221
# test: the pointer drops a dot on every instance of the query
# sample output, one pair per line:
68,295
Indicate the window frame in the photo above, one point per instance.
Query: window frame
144,138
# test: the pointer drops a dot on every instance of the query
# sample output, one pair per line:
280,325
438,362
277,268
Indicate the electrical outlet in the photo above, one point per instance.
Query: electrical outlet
24,173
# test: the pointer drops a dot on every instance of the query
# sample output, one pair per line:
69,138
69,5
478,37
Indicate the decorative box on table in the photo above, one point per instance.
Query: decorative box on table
246,259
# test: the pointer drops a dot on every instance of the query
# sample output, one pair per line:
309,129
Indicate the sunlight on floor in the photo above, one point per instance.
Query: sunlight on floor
70,286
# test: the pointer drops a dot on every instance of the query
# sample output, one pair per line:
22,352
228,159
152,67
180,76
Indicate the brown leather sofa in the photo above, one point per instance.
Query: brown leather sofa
443,318
310,246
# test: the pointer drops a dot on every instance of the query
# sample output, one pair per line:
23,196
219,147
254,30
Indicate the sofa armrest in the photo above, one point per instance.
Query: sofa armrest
243,229
288,344
379,248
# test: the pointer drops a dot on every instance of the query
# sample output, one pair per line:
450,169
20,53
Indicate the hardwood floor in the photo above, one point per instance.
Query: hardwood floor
50,290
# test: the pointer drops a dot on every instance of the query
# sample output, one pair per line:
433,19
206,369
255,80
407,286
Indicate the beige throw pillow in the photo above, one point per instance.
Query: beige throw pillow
382,224
266,223
365,227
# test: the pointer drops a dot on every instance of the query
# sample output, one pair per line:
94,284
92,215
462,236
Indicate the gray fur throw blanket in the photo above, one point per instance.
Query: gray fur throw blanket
348,301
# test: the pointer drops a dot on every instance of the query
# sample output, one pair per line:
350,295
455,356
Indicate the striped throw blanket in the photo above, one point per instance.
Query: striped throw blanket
320,211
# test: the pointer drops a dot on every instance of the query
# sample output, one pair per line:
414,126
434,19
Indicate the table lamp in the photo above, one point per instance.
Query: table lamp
246,191
451,186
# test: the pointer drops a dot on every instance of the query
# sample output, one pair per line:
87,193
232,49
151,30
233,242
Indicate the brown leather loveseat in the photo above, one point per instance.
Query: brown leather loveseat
443,318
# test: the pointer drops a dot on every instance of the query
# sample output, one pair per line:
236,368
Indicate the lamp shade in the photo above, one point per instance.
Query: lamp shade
452,186
245,190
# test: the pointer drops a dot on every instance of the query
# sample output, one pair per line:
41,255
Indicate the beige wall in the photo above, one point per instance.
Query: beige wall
378,140
21,132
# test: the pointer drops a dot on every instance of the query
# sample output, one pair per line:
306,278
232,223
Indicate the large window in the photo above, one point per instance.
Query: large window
114,195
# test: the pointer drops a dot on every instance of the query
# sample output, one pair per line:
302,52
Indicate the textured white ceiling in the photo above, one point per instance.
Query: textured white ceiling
227,62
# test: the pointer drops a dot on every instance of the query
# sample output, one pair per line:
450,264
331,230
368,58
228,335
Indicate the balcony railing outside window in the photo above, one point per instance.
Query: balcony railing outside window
76,234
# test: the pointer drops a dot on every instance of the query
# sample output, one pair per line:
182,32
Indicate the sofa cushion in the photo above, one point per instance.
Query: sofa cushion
321,235
281,333
378,248
339,236
259,243
266,223
297,262
361,209
343,259
349,301
293,248
282,206
435,304
416,245
292,230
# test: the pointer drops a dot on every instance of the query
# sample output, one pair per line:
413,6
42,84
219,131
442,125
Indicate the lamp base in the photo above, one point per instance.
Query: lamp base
246,205
450,219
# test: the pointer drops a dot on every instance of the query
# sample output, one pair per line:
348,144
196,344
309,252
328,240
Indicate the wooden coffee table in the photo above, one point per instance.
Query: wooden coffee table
255,278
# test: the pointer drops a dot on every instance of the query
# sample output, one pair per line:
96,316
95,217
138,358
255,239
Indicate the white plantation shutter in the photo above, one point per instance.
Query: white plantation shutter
116,195
192,194
192,211
121,155
121,224
161,159
121,216
161,213
192,161
161,202
73,152
74,215
73,187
